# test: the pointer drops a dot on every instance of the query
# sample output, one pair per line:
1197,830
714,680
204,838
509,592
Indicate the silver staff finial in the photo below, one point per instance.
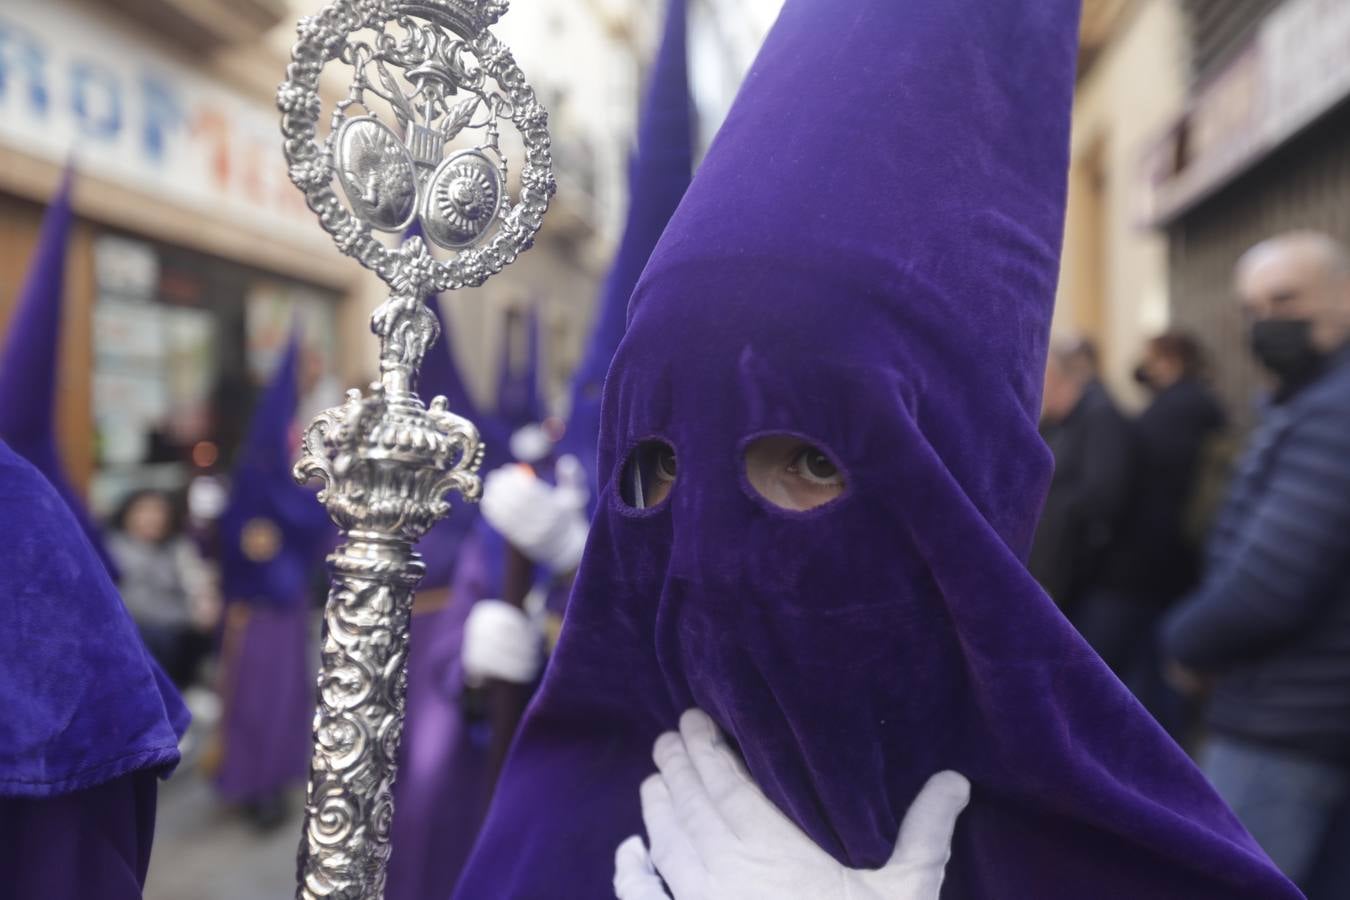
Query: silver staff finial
426,74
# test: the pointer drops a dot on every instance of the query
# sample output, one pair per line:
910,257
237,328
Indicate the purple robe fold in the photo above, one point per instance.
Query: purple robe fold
28,363
865,261
273,536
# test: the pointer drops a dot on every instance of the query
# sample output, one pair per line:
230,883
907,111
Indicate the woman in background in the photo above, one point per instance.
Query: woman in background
165,584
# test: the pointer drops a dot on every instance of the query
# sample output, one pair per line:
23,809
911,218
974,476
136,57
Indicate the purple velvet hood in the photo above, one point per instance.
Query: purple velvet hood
658,177
83,701
273,533
866,259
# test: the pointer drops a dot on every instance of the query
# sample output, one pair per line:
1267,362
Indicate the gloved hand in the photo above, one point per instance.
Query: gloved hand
541,522
500,642
715,836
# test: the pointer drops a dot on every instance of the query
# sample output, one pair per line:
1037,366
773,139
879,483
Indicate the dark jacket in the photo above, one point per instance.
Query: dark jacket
1093,466
1155,561
1272,616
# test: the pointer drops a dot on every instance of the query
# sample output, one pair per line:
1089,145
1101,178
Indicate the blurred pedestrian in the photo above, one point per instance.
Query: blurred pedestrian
1092,445
1270,622
165,584
1154,560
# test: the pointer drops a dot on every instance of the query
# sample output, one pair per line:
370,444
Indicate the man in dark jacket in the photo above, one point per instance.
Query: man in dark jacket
1270,622
1154,561
1091,443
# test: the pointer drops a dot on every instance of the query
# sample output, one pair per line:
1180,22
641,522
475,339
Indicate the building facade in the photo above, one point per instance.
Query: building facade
1263,146
1113,281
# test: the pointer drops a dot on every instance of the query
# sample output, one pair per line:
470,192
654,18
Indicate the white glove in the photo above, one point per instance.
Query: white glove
539,520
715,836
500,642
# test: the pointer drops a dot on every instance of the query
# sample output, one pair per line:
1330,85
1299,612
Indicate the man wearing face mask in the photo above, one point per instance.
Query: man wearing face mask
1271,619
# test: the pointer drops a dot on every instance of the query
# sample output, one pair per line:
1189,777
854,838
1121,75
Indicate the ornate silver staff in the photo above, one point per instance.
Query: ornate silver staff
415,140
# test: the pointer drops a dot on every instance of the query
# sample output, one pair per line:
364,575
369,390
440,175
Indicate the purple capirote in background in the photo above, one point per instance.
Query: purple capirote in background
28,362
274,535
866,260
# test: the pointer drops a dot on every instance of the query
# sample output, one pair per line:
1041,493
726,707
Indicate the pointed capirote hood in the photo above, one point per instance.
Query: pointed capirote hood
865,263
273,532
659,173
28,362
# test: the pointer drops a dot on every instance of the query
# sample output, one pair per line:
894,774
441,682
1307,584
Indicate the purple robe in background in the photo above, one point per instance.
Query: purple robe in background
28,364
866,260
273,536
88,722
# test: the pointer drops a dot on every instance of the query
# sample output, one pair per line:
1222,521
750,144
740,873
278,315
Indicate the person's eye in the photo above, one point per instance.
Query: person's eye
791,473
814,466
663,463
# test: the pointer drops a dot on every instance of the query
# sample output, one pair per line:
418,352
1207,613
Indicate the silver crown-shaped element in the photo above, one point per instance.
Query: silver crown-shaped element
468,17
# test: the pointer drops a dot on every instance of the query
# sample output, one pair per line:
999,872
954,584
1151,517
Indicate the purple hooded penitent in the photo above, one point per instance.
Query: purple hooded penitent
866,260
28,369
87,723
273,536
659,175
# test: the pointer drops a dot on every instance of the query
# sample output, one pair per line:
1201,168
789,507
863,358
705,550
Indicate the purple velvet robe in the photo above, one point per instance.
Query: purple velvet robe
866,260
89,721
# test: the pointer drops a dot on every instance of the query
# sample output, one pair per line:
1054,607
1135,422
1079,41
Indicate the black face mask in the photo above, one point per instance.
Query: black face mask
1284,346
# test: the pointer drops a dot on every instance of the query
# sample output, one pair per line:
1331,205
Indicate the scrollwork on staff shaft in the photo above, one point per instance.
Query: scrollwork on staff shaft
415,140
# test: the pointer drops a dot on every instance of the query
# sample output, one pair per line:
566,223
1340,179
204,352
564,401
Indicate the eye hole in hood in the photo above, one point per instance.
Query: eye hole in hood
649,474
792,473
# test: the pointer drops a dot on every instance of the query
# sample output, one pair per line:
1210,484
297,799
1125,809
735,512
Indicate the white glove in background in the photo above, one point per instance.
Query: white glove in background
541,521
715,836
500,642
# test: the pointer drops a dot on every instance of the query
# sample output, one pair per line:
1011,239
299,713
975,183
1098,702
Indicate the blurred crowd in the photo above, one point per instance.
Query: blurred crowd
1211,571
